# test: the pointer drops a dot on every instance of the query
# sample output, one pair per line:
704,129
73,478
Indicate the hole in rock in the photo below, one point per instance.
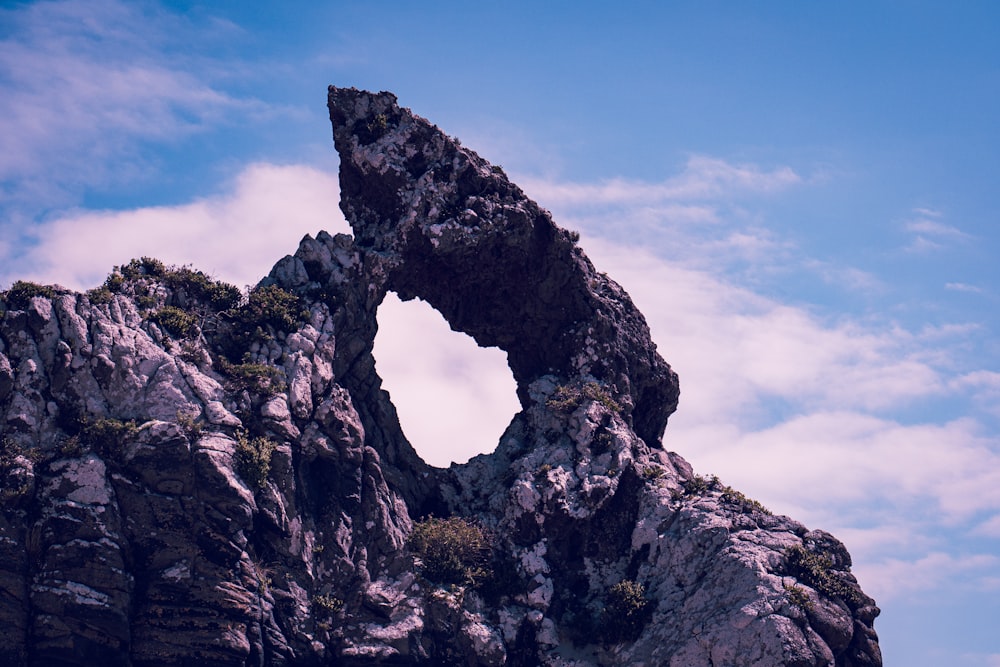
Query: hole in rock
454,399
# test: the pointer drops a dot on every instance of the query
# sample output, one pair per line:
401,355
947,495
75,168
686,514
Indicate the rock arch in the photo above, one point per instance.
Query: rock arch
434,220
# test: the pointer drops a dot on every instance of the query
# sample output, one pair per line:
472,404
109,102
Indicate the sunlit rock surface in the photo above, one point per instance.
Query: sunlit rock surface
234,488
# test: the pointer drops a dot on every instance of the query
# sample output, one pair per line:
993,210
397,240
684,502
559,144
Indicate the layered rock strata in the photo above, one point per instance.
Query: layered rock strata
192,480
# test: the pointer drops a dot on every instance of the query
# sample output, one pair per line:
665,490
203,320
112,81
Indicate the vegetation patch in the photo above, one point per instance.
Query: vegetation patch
740,501
257,378
816,570
377,126
543,471
327,604
10,451
452,551
189,424
699,486
266,308
798,597
22,292
144,266
273,306
253,459
626,611
652,473
107,436
198,285
567,398
14,479
176,321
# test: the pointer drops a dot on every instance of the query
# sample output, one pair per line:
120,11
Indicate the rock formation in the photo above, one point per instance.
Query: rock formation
194,478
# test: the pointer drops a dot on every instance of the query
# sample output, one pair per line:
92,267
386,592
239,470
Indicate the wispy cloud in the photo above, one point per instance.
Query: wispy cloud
703,177
86,83
894,578
929,234
963,287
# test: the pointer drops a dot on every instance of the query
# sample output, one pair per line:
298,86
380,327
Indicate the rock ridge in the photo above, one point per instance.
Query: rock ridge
195,476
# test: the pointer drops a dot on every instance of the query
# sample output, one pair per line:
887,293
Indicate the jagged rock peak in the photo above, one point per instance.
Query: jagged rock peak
191,477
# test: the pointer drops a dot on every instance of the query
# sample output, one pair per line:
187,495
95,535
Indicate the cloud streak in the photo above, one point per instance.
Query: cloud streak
929,234
703,177
85,84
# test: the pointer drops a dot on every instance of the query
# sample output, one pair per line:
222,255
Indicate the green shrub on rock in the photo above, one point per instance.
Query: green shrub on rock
176,321
817,571
452,551
626,611
253,459
107,435
22,292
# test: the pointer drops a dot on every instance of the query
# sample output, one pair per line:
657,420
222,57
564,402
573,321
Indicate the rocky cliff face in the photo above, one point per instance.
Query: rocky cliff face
192,478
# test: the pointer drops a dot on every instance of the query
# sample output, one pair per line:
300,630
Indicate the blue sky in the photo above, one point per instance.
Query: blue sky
799,196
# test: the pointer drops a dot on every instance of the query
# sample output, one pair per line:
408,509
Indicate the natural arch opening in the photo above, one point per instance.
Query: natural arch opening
454,399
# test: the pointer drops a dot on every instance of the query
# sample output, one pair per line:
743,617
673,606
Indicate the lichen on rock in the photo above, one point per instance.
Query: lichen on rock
200,479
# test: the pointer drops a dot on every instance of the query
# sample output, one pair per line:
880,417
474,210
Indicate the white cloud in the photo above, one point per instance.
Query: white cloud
745,347
236,236
895,578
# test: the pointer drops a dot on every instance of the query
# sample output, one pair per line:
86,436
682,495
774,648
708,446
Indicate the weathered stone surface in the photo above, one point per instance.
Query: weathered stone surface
228,491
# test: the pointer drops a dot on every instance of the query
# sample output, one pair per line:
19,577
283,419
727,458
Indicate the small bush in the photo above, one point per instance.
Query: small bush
263,575
22,292
258,378
602,442
626,611
268,307
452,551
378,125
739,500
273,306
71,447
652,473
253,459
198,285
14,479
816,570
107,436
699,486
114,282
567,398
176,321
327,604
189,424
146,266
10,451
100,295
798,597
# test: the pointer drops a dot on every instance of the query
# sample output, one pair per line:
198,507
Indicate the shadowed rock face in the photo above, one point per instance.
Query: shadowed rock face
234,489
